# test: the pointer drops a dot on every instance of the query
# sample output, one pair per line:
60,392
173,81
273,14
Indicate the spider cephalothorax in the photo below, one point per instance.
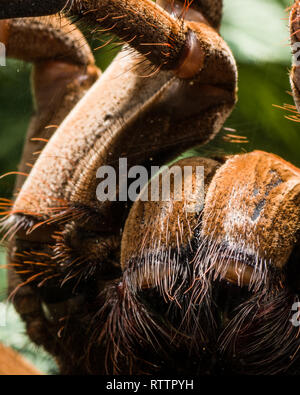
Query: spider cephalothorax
155,286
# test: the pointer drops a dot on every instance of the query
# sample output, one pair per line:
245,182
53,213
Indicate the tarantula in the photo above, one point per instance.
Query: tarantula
150,287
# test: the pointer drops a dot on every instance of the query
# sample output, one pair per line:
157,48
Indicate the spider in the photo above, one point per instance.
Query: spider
111,286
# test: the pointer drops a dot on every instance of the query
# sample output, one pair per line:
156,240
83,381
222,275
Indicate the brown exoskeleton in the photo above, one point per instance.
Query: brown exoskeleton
148,287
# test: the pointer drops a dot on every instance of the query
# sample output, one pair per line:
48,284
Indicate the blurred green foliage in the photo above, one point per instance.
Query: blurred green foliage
256,31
